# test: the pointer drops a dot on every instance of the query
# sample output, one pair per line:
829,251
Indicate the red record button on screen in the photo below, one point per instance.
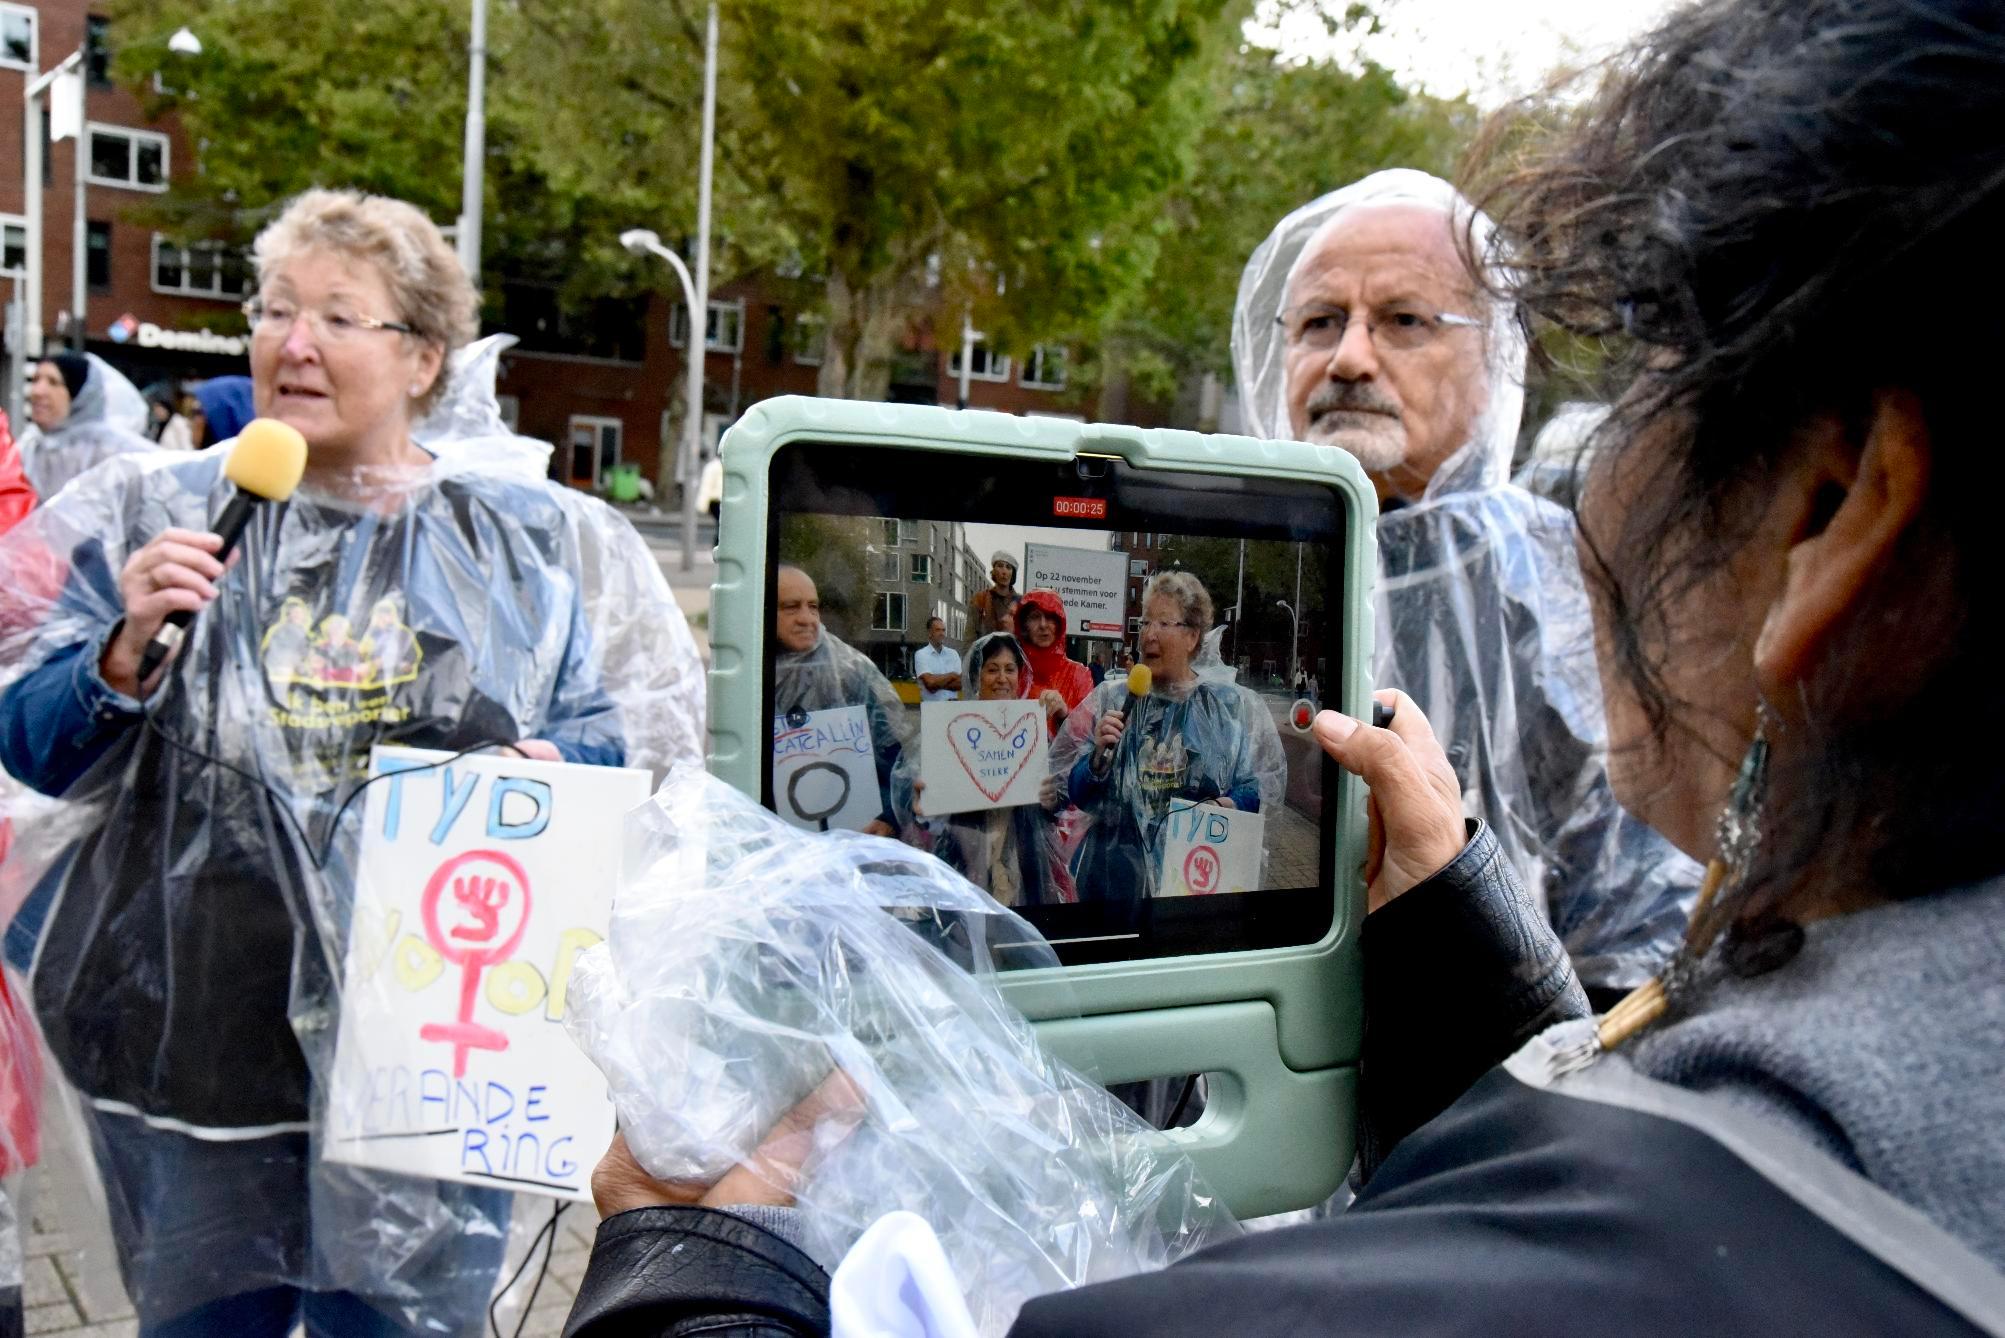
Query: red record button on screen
1302,714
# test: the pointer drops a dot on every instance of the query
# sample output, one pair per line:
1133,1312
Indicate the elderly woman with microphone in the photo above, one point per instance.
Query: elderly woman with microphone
208,716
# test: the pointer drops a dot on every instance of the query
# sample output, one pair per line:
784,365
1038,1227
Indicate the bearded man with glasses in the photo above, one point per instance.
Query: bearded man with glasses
1360,326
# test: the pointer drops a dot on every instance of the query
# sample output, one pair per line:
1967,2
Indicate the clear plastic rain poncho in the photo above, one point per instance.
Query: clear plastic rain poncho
832,673
1016,855
107,418
190,868
1482,619
1203,738
749,961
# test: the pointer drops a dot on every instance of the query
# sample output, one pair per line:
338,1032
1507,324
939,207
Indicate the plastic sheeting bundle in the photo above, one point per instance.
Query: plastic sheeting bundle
748,961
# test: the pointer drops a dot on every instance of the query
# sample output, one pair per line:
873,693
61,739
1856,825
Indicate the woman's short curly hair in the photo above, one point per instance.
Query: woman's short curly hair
1193,600
426,281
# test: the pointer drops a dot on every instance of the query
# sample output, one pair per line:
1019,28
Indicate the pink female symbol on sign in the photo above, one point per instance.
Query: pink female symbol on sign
484,900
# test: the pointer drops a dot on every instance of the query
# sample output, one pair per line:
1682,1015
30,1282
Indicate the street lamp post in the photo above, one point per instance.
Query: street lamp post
473,167
695,289
1294,641
642,241
31,97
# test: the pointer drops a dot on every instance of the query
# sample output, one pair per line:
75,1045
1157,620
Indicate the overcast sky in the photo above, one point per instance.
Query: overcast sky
1493,50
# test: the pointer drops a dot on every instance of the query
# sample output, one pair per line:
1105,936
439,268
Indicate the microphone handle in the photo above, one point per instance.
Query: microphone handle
1105,757
230,526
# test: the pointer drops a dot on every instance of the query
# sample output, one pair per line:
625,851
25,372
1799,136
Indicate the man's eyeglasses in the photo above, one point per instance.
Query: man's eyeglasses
1320,327
274,320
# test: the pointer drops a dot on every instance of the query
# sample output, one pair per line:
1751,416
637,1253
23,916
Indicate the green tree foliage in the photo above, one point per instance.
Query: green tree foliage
1279,134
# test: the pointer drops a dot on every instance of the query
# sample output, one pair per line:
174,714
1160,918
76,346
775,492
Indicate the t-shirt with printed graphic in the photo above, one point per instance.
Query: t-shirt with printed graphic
191,921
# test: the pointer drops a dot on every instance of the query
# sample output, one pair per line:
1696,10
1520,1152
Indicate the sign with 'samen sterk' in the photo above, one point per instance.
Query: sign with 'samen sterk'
977,755
477,885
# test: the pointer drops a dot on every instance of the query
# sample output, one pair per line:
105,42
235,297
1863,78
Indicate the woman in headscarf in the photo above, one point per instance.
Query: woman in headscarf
1189,739
187,946
1013,854
1058,681
84,413
226,406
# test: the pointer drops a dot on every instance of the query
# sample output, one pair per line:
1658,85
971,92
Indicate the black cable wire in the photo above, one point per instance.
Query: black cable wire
279,801
1176,1111
546,1232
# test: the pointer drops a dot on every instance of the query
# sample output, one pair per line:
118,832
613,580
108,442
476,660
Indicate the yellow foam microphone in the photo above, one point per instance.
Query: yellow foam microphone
265,464
1140,681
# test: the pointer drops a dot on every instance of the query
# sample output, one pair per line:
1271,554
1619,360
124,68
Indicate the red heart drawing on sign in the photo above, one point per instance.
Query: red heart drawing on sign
992,757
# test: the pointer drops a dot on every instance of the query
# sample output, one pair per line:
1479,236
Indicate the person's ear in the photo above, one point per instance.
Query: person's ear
431,359
1852,498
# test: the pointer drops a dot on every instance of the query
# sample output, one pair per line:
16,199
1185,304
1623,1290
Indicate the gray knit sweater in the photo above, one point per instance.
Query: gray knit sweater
1883,1042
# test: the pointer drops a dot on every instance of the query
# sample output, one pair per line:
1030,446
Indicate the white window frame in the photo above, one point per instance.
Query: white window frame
13,221
922,568
214,294
34,39
810,333
890,566
93,129
595,422
718,307
998,365
903,606
1034,367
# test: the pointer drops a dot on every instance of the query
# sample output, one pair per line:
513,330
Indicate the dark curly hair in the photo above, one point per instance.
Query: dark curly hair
1772,211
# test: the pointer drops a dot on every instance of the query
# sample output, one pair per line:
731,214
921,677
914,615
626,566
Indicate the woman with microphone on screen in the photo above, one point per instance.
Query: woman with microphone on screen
1126,754
185,942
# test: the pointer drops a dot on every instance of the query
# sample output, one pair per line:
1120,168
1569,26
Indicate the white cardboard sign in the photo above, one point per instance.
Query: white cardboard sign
1208,849
825,769
1093,582
977,755
477,885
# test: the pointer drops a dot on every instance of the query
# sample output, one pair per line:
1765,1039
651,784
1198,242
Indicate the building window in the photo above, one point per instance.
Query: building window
810,340
887,566
97,50
204,269
17,38
1137,567
897,532
97,254
986,365
1134,627
1044,369
887,613
13,243
922,568
614,328
724,333
595,448
133,159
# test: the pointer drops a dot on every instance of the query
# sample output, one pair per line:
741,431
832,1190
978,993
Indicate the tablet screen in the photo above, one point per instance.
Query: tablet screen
1085,686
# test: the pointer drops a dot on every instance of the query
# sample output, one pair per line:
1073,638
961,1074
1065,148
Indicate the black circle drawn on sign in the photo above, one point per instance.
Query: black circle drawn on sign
794,786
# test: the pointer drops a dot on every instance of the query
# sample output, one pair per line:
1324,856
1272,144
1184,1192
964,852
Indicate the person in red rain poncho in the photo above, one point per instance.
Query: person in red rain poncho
17,499
1058,682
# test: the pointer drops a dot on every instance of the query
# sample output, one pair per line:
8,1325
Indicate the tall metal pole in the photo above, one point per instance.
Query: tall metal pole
37,134
472,176
31,265
79,229
969,336
699,309
1295,650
